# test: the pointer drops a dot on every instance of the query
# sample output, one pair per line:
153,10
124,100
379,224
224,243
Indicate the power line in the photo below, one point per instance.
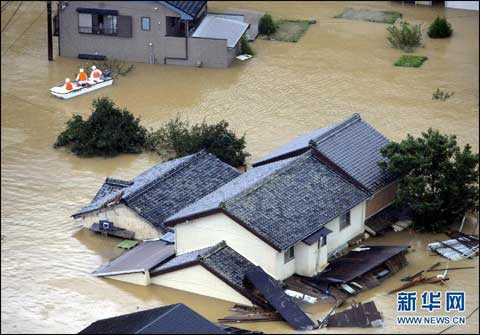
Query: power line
23,33
11,18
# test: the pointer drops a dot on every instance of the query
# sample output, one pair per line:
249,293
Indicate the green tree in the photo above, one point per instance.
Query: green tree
440,28
438,180
266,25
177,138
108,131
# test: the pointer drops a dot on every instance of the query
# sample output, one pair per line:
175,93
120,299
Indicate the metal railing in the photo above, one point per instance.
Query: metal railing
96,30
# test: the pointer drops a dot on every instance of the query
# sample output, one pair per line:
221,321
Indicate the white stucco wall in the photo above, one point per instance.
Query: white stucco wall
122,217
138,278
471,5
210,230
197,279
337,237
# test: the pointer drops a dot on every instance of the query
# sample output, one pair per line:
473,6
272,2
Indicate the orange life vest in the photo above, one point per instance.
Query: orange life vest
82,76
69,86
96,74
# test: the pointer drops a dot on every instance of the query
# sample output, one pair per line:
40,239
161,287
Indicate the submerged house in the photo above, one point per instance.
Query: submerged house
142,204
290,214
164,32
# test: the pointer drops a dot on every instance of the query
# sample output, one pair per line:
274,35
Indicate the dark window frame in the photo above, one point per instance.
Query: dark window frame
289,255
345,221
95,30
149,23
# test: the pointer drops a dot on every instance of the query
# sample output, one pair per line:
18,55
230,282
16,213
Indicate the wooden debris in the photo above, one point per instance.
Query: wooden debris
410,278
448,269
253,317
421,280
113,231
360,315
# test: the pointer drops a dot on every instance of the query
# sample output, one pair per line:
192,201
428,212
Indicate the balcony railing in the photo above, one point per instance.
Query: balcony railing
95,30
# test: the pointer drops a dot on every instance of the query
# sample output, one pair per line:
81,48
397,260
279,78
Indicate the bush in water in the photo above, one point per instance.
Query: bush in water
405,37
440,28
266,25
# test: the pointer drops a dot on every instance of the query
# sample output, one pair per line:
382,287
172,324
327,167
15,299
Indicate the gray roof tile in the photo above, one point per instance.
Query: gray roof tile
294,202
353,145
192,8
168,187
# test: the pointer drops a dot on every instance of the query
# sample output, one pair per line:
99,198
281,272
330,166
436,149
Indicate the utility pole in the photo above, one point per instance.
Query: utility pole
49,26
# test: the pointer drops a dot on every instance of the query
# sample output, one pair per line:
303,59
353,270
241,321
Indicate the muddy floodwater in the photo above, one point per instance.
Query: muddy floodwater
338,67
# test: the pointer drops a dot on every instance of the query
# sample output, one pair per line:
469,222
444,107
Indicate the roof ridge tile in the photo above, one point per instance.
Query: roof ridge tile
335,130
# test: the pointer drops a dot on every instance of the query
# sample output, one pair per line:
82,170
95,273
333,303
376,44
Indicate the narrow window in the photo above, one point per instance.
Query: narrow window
145,23
85,23
289,255
344,220
324,241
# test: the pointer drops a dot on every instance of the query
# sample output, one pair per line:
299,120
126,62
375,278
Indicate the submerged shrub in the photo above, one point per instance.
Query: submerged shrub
246,47
108,131
177,138
266,25
440,28
441,95
405,36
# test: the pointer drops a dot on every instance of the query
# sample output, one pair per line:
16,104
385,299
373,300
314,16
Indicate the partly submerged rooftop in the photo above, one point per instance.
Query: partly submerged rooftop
352,145
165,188
217,27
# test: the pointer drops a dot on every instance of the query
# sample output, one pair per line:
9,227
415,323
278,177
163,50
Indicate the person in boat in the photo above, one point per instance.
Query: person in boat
68,85
82,77
96,74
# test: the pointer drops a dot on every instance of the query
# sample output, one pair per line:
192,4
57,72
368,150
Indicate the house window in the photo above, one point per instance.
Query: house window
145,23
289,255
97,24
323,241
344,220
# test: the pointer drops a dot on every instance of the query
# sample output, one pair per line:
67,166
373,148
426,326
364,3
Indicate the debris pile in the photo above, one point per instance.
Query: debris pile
360,315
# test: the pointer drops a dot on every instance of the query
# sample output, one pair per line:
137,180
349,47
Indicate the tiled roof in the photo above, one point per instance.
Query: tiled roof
110,185
171,319
352,145
141,258
168,187
191,8
230,189
294,202
220,259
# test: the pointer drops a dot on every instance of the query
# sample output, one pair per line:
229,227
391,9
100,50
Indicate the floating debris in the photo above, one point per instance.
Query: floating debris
360,315
441,279
461,246
100,227
127,244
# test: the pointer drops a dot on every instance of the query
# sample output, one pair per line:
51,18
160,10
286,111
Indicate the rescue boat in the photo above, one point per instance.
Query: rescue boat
78,89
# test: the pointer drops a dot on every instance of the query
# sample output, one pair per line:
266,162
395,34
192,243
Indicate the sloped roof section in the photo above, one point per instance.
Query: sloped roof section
109,186
352,145
141,258
191,8
171,319
220,259
355,147
295,202
241,183
215,26
168,187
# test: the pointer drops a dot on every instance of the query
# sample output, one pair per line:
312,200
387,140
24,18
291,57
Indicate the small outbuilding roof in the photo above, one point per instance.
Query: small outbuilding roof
352,145
218,27
171,319
191,8
140,259
166,188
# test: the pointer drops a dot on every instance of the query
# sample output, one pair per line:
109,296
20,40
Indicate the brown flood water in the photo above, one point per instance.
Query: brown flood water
339,67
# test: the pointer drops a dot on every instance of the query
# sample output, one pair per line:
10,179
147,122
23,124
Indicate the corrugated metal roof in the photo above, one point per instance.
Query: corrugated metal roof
141,258
214,26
